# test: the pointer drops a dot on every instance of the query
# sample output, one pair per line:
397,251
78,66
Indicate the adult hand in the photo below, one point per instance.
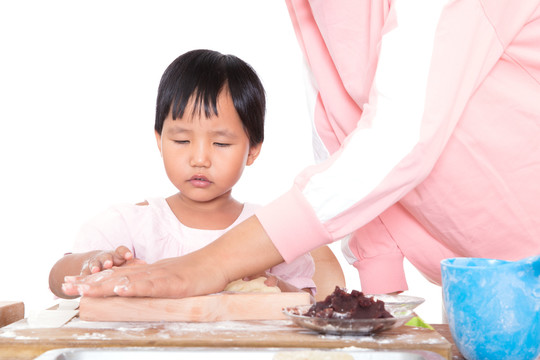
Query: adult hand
169,278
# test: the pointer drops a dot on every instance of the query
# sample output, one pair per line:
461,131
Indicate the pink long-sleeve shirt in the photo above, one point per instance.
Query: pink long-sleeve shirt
429,115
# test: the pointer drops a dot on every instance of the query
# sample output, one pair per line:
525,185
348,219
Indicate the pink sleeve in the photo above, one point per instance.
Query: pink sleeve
296,230
378,259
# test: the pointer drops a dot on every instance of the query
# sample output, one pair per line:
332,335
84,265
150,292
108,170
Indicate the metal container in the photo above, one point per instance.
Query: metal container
227,354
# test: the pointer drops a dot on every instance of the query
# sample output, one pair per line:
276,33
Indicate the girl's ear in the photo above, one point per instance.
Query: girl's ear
158,140
254,152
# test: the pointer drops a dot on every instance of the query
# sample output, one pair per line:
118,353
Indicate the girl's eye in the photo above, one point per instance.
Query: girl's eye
181,141
222,144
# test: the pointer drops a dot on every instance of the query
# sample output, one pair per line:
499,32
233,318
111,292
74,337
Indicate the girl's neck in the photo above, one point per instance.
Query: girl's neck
217,214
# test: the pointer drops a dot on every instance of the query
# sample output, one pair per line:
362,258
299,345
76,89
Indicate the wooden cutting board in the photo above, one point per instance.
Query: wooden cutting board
215,307
19,342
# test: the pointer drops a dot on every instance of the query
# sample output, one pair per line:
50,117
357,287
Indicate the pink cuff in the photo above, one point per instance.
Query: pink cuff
292,225
382,274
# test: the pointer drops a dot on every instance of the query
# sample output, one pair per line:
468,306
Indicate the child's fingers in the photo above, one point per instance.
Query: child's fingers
271,280
122,254
86,268
72,284
253,277
107,260
100,262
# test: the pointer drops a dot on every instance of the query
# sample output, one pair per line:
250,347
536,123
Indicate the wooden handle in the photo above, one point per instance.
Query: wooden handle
10,311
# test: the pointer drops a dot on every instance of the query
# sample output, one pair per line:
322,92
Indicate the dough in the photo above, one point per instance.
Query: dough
68,304
312,355
256,285
50,318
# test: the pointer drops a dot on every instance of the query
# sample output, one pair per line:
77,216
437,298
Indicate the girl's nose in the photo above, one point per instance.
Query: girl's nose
200,156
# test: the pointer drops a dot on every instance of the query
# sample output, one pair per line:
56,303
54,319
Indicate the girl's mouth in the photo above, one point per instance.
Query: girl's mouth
200,181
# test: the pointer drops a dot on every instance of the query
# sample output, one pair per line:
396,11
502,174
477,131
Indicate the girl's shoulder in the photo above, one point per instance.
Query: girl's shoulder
250,208
154,208
247,211
150,209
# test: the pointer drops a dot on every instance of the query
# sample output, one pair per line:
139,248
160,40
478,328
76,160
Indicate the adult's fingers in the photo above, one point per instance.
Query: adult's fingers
135,262
124,281
156,287
74,285
146,281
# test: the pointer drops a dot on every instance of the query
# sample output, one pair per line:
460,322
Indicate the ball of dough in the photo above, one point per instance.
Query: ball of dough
256,285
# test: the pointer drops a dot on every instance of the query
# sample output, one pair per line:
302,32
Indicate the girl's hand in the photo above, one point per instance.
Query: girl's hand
284,286
272,280
104,260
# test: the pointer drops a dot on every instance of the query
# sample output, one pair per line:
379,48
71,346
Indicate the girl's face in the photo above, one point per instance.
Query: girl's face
205,157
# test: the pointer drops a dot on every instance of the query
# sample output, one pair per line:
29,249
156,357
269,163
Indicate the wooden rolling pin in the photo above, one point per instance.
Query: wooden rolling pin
215,307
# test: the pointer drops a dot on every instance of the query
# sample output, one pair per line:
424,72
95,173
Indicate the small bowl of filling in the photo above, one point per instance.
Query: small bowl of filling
354,313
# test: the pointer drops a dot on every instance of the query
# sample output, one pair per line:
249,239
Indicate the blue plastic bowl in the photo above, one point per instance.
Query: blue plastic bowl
493,307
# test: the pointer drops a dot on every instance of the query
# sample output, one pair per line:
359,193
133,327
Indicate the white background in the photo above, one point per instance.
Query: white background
78,83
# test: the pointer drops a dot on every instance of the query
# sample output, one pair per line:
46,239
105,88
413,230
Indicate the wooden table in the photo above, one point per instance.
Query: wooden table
444,330
19,342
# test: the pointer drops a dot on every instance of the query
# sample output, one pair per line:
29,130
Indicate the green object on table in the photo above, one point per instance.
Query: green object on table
416,321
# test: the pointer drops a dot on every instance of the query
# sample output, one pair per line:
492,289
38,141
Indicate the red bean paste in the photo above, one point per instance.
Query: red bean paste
342,305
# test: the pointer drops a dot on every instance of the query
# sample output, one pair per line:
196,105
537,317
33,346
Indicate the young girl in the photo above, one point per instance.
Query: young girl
209,125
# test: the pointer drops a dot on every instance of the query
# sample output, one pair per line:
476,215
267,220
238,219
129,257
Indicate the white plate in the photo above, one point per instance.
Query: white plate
394,303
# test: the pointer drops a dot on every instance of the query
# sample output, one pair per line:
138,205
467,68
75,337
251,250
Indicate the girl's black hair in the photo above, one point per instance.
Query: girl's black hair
202,75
